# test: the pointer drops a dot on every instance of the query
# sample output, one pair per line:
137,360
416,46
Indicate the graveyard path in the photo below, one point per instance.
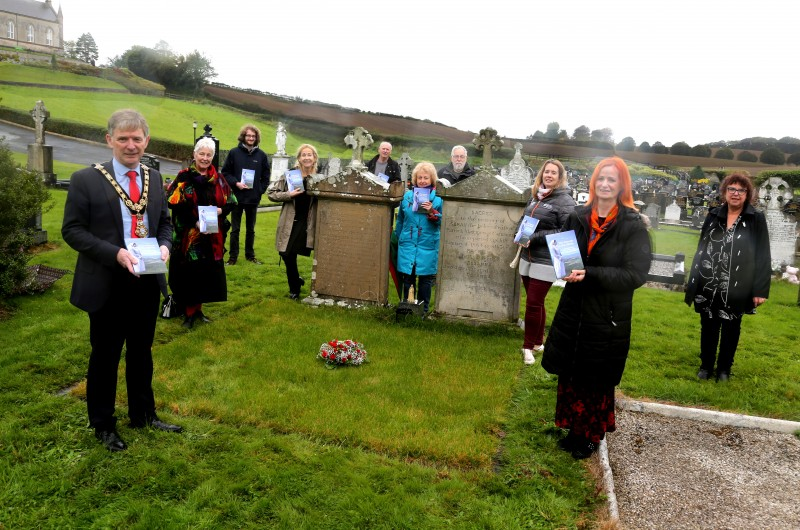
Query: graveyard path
66,149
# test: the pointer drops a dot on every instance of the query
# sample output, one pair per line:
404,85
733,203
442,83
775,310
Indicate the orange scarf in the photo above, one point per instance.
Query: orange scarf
599,229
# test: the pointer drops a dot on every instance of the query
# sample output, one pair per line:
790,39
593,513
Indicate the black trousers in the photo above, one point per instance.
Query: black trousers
292,272
718,332
250,211
129,318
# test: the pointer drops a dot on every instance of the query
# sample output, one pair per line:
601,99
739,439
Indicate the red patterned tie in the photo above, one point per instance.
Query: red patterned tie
134,194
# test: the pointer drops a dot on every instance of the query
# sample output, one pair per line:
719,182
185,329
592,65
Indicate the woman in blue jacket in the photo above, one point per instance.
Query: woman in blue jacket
417,231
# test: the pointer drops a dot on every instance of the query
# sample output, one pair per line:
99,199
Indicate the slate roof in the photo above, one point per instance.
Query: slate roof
30,8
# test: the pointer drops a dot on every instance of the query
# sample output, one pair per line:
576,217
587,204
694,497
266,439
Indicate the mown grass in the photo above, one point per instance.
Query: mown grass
443,428
47,76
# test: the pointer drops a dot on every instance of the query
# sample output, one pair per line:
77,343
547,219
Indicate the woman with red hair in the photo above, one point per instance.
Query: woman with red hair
588,342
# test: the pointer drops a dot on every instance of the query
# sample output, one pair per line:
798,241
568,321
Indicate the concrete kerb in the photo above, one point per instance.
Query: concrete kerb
711,416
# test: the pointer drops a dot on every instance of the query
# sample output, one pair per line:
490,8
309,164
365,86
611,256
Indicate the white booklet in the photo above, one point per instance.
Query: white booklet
209,222
147,251
564,252
248,176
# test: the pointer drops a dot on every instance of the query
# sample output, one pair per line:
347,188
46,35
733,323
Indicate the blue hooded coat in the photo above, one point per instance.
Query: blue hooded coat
418,236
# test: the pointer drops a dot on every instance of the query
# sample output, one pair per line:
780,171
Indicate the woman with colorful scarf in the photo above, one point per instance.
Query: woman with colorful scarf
550,203
588,342
196,268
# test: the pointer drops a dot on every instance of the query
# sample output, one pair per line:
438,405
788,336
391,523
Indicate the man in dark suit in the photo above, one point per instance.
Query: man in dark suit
105,204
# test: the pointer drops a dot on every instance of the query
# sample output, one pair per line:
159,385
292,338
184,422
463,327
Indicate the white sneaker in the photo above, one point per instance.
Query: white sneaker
540,347
527,356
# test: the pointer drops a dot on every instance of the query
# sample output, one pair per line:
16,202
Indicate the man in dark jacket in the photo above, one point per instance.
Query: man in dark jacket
383,163
247,171
458,169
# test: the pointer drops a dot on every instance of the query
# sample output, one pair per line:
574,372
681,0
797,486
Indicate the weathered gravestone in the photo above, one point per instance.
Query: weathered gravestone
353,230
667,269
479,219
773,194
653,212
406,166
40,159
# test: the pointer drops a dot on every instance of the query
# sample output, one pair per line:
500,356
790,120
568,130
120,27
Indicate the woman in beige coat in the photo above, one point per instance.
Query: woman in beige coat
295,234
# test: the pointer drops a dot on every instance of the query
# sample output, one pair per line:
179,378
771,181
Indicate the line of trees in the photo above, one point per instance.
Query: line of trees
183,74
772,151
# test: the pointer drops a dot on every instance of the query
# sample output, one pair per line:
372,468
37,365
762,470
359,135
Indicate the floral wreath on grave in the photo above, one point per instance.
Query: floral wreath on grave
342,353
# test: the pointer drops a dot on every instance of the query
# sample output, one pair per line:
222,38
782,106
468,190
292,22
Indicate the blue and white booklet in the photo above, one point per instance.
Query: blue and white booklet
384,177
294,180
248,176
209,222
421,195
525,231
564,252
148,253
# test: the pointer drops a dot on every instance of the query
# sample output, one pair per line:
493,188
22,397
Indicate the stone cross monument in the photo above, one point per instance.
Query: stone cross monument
406,166
280,160
280,139
358,139
487,141
517,173
40,159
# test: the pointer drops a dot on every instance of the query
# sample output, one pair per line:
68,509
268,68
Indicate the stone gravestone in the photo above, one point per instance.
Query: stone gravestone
653,211
40,159
672,213
406,166
517,173
480,216
353,231
334,165
773,194
280,160
667,269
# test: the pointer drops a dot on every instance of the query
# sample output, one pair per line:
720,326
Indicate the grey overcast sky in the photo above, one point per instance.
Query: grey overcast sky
686,70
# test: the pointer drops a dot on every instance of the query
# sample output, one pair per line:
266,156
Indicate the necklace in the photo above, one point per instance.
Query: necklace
136,208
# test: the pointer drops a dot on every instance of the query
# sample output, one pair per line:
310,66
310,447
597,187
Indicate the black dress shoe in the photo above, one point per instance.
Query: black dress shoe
254,260
111,440
231,261
158,425
204,318
294,296
567,443
703,374
188,321
301,280
723,376
583,449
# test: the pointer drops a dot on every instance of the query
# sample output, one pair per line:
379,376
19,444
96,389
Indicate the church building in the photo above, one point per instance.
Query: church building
32,26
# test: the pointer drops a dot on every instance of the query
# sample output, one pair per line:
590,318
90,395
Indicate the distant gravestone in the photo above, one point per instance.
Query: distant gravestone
517,173
487,141
353,232
280,160
667,269
406,166
653,212
40,159
673,213
782,228
479,219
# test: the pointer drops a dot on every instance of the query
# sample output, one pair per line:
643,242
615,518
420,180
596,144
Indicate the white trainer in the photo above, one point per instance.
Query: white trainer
527,356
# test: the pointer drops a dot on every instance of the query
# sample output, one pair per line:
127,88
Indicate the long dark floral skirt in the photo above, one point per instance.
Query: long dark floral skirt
587,412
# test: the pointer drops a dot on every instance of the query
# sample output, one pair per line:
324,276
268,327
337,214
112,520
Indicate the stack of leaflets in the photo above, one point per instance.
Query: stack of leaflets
421,196
384,177
248,176
564,252
148,254
209,222
525,231
294,180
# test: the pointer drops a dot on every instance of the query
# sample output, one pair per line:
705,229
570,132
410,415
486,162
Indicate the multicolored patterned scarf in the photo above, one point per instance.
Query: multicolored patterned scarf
599,229
217,193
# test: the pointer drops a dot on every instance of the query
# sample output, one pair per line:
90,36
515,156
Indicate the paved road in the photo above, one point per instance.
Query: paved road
67,149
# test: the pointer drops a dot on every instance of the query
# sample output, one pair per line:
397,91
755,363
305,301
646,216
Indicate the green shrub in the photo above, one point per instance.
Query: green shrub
22,195
747,156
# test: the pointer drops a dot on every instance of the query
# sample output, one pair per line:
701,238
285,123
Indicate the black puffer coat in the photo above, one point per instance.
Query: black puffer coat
750,266
552,212
591,331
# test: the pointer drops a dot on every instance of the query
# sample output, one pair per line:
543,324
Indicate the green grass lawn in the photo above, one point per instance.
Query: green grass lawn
443,428
46,76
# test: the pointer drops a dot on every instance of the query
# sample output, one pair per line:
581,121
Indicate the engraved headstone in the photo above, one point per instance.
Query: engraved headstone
782,228
479,220
517,173
353,232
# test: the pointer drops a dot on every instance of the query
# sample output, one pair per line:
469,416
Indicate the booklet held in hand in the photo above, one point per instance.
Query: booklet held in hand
525,231
148,254
564,252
